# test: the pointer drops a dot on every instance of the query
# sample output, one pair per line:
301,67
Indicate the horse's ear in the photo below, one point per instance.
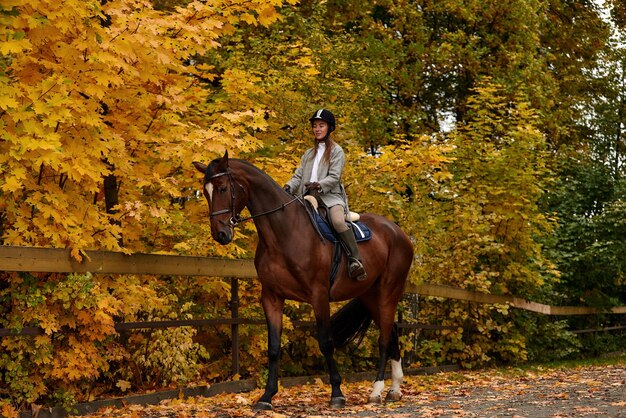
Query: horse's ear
200,167
223,163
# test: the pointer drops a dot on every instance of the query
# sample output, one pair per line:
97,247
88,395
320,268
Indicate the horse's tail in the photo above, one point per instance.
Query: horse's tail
350,322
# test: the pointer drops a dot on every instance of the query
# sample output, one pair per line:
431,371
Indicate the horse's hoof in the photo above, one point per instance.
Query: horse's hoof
262,406
376,399
393,396
337,402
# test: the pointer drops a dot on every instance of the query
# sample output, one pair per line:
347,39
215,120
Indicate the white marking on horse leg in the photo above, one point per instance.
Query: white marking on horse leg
377,391
209,191
396,375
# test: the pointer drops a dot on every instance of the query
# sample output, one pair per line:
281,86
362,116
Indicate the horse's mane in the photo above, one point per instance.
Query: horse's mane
212,168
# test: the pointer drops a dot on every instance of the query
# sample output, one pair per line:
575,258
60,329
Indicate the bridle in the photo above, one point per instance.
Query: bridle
235,218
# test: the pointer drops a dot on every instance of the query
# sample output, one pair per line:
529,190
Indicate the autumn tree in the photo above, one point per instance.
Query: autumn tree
453,113
85,101
490,222
104,106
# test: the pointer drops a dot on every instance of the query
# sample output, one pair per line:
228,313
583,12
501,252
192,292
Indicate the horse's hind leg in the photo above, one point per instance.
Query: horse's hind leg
382,307
395,394
388,350
376,396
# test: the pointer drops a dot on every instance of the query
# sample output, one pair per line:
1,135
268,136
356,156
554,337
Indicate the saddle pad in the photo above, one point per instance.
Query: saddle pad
361,231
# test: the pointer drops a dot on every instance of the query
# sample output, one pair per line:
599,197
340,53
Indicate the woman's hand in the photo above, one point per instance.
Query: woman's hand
313,186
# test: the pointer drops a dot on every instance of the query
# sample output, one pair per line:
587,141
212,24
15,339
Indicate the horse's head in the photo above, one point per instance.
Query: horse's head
225,197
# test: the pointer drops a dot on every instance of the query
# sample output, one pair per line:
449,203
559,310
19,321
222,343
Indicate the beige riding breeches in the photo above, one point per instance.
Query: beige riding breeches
338,218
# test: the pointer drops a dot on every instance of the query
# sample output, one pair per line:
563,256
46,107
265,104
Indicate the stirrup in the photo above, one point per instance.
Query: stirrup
356,270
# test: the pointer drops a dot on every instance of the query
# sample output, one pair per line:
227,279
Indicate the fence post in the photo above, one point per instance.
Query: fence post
234,314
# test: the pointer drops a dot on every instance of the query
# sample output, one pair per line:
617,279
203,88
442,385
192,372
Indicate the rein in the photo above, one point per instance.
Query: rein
235,219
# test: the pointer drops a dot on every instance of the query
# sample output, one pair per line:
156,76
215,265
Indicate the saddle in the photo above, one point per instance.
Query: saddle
323,227
321,223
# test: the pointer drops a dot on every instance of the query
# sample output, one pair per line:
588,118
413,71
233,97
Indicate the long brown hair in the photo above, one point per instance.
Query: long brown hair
329,147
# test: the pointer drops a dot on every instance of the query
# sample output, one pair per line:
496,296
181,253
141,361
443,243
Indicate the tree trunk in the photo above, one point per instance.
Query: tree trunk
111,200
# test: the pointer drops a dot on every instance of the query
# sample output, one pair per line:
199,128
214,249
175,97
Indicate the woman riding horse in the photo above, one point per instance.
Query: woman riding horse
320,171
293,263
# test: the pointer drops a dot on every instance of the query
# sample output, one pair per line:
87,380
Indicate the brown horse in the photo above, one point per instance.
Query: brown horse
293,263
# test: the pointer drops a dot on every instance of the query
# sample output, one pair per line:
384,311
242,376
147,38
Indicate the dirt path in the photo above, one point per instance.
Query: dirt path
598,391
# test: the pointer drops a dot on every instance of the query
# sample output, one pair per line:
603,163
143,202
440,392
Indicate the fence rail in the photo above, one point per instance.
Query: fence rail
468,295
57,260
54,260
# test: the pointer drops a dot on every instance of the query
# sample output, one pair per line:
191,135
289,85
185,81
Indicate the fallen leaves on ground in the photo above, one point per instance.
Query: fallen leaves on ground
574,392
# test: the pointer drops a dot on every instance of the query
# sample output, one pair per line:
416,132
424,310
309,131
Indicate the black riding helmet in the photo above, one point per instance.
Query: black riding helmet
326,116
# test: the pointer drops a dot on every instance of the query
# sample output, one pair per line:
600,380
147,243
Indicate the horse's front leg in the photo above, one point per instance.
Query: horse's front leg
273,307
321,307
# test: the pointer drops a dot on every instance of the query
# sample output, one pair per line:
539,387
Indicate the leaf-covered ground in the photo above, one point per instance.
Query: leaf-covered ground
594,390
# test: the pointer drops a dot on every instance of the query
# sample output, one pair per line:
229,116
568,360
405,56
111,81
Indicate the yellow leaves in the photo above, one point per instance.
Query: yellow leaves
8,94
157,212
75,253
7,410
123,385
14,46
92,119
7,101
259,13
307,63
236,80
88,93
248,18
163,58
10,184
268,15
49,324
76,362
311,71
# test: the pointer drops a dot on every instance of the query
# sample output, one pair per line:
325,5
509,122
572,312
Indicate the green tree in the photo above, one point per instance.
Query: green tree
588,199
486,236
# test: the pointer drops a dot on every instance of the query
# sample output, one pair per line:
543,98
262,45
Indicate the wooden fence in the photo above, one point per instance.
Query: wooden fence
52,260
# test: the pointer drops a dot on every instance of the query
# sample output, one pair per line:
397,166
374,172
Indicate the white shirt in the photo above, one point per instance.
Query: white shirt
321,147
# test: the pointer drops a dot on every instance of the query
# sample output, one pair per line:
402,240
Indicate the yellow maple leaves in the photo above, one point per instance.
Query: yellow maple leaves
94,90
14,45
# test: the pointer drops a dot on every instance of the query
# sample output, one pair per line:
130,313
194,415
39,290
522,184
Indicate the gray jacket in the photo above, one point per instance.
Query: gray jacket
328,175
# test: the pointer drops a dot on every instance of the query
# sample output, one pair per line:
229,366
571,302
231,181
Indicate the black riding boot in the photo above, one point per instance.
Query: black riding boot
355,267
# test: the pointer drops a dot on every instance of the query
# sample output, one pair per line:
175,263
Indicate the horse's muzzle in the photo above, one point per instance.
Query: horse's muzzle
224,236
